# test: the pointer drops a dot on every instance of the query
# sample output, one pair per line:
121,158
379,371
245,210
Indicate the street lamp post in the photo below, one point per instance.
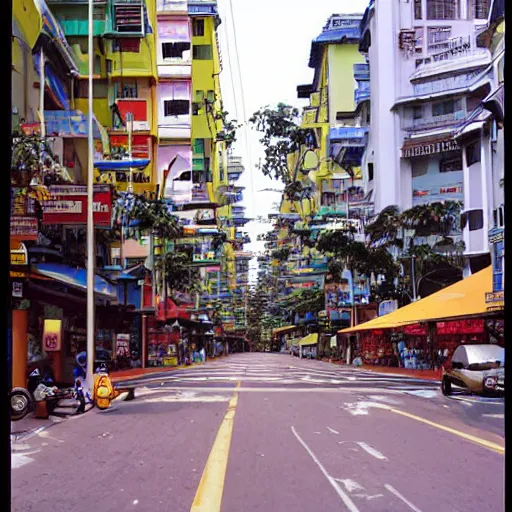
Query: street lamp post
90,215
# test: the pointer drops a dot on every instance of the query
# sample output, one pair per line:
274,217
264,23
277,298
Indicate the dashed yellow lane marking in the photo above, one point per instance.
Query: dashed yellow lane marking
482,442
208,496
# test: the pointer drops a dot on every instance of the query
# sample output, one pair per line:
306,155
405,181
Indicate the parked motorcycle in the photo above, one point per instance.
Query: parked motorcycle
22,401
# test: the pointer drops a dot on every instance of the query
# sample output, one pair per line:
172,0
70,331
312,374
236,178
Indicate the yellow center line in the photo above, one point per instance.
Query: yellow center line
208,496
482,442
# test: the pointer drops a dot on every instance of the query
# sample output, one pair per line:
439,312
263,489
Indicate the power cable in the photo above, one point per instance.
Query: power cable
245,121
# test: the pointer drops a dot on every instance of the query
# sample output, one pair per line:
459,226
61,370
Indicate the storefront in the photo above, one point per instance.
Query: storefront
424,334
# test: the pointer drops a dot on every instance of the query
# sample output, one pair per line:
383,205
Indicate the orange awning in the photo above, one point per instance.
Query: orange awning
460,300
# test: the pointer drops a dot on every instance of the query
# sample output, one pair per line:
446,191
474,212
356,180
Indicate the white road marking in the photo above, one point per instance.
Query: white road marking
385,399
332,430
398,495
361,408
350,485
371,451
500,416
369,497
344,497
18,460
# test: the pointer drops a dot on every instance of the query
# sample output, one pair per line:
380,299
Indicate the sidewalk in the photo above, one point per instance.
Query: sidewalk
30,426
434,375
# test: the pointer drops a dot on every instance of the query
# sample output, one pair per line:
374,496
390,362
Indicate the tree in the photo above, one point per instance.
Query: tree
178,274
282,136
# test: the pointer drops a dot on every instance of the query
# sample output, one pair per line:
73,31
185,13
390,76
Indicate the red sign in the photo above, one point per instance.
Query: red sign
416,330
68,205
470,326
141,144
24,228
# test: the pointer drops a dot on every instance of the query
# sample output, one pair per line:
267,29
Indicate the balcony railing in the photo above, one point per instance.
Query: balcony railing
434,122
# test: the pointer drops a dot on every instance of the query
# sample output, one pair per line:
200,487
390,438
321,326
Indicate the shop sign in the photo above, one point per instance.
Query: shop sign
31,129
495,297
432,148
415,330
387,306
24,228
17,289
140,145
21,203
19,256
68,205
469,326
52,335
496,235
123,345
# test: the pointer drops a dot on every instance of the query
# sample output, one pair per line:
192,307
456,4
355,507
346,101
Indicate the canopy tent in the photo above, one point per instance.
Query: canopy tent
460,300
285,329
310,339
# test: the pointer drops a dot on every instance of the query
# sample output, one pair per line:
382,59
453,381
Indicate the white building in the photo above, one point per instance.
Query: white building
430,140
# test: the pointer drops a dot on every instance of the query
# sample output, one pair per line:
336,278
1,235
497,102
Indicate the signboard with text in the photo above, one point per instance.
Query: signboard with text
52,335
68,205
429,148
24,228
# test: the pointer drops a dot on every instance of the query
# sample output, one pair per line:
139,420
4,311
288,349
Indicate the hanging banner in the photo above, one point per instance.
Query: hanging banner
68,205
52,335
470,326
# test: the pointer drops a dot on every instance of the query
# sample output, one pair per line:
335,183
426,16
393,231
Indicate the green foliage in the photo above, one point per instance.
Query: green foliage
297,191
179,275
304,300
281,255
281,137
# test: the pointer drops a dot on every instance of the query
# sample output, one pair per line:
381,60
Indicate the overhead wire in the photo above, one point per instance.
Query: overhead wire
244,116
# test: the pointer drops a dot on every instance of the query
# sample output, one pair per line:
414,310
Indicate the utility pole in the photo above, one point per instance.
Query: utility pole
90,214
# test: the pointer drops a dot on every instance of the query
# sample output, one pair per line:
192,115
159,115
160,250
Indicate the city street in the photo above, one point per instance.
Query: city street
270,433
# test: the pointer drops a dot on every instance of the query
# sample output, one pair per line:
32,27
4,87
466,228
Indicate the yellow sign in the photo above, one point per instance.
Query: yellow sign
52,335
19,256
494,297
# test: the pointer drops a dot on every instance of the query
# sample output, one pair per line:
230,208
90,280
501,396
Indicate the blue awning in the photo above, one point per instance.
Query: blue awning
76,278
68,123
347,144
121,165
352,134
345,34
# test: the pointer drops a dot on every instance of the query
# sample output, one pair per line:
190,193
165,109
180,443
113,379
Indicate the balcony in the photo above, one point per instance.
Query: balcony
361,72
126,19
73,16
309,116
171,7
202,8
362,93
431,122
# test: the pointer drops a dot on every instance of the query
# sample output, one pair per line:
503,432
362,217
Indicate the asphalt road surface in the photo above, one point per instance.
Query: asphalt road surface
270,433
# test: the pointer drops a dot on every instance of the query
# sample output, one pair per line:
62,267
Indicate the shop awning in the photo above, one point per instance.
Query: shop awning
495,103
310,339
460,300
282,330
76,277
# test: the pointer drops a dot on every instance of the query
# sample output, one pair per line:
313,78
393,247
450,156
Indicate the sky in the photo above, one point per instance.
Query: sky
273,40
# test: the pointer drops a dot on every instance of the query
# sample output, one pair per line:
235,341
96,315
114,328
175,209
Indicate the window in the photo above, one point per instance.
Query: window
473,153
438,38
100,89
443,108
474,219
452,164
174,50
418,39
176,108
498,216
417,9
202,52
198,146
126,45
370,172
196,108
417,112
479,9
128,90
443,9
210,96
198,28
